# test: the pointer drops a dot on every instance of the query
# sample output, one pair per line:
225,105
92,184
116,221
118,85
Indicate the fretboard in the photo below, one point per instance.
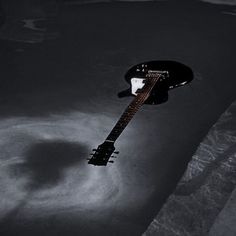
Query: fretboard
132,108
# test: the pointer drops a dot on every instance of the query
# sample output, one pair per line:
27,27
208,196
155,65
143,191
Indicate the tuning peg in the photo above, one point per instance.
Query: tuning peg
111,161
113,156
94,150
116,152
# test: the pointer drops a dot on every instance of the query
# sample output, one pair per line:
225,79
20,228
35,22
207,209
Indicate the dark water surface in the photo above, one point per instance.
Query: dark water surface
61,68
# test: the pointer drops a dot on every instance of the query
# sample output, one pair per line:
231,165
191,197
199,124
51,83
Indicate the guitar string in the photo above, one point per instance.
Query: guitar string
127,116
138,103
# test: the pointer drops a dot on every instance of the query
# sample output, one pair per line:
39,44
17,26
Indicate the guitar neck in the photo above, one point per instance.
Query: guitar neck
131,109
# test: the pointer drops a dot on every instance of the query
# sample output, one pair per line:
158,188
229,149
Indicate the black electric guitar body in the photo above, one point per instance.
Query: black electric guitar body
149,84
178,75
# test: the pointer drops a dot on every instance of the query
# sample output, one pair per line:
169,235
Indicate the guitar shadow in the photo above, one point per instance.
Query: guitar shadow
45,163
44,167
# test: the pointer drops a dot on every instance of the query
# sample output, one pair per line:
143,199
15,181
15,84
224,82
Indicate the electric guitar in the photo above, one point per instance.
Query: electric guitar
149,84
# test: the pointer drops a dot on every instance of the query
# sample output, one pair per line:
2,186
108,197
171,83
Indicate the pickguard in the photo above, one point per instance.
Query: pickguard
136,83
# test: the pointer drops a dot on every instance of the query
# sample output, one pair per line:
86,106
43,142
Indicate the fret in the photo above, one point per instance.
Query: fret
132,108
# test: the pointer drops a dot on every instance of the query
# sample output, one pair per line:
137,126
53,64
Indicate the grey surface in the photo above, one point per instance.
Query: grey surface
205,187
225,222
58,101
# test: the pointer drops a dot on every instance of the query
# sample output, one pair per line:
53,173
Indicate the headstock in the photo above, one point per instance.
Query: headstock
102,154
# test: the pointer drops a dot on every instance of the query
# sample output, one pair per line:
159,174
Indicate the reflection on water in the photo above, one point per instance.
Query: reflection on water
20,19
233,13
28,21
32,24
224,2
